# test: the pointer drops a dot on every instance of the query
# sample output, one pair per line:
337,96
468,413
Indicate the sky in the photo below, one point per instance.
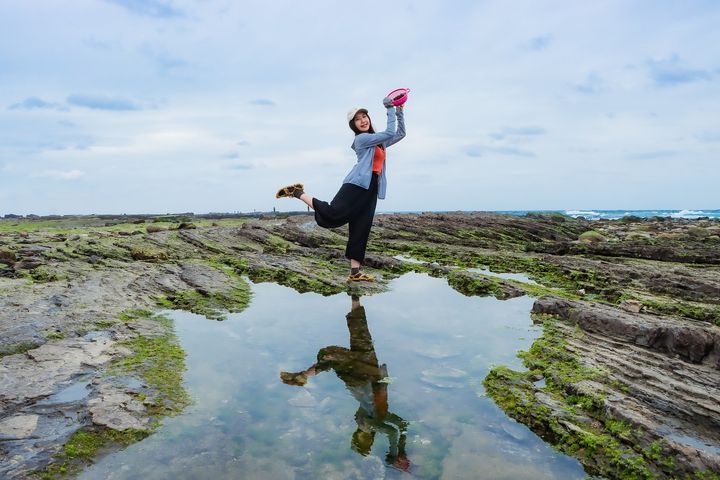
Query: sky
165,106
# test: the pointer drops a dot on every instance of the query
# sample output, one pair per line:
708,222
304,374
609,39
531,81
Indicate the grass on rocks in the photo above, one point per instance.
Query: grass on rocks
570,415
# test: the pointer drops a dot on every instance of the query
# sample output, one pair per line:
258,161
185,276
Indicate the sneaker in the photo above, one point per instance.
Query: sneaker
361,277
289,190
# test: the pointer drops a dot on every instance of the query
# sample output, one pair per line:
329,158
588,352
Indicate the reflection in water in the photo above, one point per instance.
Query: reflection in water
367,381
438,345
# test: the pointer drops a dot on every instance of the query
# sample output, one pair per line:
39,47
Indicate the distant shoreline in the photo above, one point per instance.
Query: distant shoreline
589,214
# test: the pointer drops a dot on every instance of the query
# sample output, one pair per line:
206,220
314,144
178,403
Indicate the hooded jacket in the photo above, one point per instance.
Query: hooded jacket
364,147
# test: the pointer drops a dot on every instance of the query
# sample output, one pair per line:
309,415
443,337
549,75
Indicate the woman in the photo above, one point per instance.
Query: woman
355,202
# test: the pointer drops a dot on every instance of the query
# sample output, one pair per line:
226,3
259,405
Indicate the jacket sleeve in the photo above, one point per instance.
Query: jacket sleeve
400,134
365,140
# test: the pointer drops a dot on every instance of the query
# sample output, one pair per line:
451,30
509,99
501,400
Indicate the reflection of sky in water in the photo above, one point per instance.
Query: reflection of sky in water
505,276
438,346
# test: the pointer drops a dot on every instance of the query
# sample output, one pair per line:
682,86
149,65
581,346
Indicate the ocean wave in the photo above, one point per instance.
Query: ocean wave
584,213
688,214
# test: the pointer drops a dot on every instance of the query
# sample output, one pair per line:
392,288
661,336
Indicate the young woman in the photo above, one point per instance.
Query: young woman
355,202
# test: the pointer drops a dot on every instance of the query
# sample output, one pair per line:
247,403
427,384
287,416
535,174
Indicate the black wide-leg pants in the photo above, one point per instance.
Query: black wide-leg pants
355,206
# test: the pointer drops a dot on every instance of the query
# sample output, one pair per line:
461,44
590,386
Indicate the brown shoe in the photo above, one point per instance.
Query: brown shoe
361,277
289,190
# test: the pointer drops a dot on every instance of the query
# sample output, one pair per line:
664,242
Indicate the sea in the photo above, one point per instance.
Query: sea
615,214
590,214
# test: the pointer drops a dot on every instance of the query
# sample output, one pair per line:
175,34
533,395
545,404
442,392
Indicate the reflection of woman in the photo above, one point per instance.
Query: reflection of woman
355,202
366,380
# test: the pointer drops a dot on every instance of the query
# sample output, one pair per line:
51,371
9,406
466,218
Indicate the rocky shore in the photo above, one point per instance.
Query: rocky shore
626,376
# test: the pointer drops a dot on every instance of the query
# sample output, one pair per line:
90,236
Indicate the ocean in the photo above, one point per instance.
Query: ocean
607,214
615,214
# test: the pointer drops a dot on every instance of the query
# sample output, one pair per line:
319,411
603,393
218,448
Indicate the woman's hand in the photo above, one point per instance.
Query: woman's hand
387,101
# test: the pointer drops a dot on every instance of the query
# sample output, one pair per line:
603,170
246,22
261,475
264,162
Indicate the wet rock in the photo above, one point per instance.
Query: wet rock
632,306
113,408
42,371
204,278
694,342
18,427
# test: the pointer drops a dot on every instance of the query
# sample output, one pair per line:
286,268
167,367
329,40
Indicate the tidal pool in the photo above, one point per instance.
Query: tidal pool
389,386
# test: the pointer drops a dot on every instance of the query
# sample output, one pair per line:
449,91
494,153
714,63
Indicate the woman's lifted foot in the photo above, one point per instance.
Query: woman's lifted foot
290,190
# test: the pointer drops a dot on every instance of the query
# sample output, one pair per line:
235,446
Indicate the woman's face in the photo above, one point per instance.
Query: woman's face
362,122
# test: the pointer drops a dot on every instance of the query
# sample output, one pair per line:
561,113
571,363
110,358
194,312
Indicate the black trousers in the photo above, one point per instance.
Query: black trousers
352,205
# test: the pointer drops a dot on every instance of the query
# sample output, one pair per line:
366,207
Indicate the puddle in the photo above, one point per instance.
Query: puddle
390,389
403,258
484,271
505,276
74,393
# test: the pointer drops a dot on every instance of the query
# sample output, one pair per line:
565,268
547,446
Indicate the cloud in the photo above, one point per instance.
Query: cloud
517,131
149,8
62,174
240,166
539,43
669,72
479,151
652,155
32,103
263,102
592,84
97,44
101,102
708,137
164,61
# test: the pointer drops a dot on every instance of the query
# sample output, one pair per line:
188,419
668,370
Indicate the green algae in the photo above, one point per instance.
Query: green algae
42,274
695,311
17,348
211,305
294,280
83,447
578,424
478,285
148,254
214,305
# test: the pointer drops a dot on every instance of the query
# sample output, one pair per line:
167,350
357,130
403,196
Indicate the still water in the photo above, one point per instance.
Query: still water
301,386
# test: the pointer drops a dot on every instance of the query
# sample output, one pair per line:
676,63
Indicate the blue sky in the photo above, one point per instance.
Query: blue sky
130,106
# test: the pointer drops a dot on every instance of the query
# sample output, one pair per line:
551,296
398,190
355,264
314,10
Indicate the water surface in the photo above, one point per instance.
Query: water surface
391,388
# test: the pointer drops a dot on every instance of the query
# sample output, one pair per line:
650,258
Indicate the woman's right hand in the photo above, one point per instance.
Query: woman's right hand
387,101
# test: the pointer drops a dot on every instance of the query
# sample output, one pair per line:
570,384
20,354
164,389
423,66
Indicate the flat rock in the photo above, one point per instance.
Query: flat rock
18,427
113,408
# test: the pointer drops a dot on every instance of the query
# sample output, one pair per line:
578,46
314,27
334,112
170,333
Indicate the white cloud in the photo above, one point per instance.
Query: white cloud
62,174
